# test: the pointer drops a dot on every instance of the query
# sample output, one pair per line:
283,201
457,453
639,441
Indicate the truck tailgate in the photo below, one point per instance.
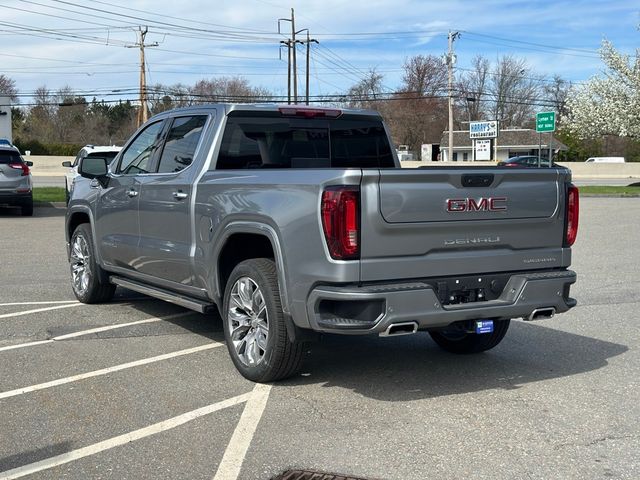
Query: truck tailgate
444,221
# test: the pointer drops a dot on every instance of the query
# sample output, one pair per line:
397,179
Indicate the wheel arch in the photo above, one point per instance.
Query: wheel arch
79,216
232,249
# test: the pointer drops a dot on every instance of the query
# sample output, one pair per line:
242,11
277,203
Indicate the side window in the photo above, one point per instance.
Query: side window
138,156
181,143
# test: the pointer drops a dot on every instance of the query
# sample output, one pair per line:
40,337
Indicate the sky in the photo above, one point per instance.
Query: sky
86,44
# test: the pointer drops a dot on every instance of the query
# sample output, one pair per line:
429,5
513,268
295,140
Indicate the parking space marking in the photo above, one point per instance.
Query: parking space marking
36,310
52,302
122,439
231,463
92,330
104,371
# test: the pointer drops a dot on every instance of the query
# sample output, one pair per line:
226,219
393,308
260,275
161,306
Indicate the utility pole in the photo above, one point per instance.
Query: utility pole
288,44
295,68
308,41
143,112
450,62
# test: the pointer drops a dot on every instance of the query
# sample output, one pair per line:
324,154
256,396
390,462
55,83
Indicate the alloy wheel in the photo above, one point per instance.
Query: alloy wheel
248,321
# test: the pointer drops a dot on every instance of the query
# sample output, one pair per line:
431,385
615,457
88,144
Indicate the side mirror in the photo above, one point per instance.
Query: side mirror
66,164
94,167
28,164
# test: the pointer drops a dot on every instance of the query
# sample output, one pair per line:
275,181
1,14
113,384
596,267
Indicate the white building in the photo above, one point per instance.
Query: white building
5,118
509,143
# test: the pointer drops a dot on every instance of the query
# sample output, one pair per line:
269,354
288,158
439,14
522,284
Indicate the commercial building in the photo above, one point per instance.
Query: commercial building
509,143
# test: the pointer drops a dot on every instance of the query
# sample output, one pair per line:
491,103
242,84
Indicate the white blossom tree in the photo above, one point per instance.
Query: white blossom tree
608,104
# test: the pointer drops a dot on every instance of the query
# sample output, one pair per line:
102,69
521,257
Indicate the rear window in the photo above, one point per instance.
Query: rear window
275,141
7,157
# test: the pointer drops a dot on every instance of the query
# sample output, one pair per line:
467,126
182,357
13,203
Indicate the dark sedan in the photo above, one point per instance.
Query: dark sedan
528,161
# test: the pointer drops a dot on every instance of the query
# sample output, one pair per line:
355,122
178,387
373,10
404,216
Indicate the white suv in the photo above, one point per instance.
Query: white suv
108,152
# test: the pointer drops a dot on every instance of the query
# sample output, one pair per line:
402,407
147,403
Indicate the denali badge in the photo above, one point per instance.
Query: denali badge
491,204
471,241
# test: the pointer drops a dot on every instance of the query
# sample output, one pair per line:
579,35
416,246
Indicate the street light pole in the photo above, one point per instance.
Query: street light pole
450,61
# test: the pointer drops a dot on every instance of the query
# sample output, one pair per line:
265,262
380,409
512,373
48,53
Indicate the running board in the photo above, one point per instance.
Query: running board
166,295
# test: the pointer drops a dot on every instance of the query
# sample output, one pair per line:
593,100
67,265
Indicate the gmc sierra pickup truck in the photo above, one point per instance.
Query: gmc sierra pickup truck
290,221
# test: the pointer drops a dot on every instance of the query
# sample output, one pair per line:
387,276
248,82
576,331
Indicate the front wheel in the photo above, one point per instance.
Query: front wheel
457,341
254,324
88,280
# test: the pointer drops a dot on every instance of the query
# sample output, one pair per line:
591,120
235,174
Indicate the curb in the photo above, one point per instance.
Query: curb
62,205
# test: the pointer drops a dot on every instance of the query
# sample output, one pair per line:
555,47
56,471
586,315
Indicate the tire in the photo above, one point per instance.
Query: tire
88,281
254,327
27,208
463,343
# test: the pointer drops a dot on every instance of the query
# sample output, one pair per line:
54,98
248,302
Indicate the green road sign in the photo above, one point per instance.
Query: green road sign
546,122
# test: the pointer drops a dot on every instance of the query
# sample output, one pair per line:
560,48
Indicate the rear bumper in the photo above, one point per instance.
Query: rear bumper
372,309
14,198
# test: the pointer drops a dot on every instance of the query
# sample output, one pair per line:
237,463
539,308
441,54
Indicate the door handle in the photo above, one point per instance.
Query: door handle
180,195
132,193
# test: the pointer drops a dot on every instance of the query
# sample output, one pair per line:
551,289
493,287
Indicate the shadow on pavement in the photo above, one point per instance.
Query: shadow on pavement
208,326
31,456
413,367
39,211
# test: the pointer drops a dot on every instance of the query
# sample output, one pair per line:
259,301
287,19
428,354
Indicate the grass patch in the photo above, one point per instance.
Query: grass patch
48,194
622,191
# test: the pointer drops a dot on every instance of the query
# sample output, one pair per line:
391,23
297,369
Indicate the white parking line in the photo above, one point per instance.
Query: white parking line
52,302
122,439
231,463
28,312
104,371
92,330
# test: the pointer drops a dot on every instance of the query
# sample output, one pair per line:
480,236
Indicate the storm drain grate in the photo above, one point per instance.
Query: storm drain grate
309,475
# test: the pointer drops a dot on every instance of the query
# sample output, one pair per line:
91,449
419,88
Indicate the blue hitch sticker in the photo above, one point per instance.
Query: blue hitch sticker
484,326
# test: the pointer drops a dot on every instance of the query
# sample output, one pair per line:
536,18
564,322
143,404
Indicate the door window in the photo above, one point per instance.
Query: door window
138,157
181,143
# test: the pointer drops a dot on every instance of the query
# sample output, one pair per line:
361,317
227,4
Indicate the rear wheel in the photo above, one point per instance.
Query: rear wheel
254,324
88,280
458,341
27,208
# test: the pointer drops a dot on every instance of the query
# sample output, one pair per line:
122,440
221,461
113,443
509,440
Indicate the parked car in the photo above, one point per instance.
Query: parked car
291,221
605,160
528,161
108,152
16,186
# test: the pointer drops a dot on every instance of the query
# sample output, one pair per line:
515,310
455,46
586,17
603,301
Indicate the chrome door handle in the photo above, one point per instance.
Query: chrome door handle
180,195
132,193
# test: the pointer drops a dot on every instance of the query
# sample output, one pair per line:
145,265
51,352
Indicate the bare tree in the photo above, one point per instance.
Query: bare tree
367,92
512,92
417,113
424,75
472,88
557,92
8,87
228,89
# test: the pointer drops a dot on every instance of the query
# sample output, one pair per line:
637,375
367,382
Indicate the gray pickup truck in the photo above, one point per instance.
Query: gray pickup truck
292,221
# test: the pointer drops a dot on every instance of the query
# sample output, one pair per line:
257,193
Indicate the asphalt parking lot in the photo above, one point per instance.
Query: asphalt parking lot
139,389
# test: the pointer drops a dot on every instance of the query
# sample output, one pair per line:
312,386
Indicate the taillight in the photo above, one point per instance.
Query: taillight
573,212
307,112
340,211
21,166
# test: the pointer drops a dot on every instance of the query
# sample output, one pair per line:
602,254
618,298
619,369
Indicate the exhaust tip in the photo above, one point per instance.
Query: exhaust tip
396,329
541,313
